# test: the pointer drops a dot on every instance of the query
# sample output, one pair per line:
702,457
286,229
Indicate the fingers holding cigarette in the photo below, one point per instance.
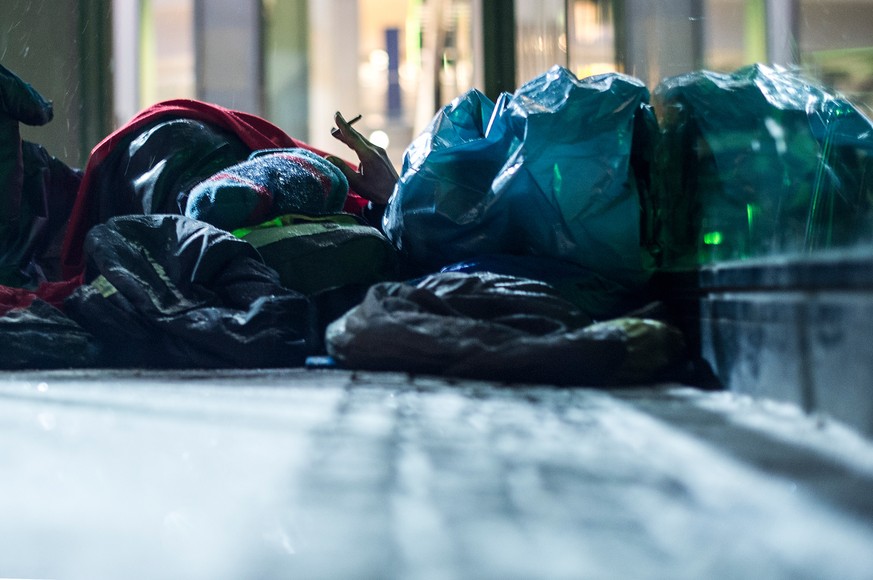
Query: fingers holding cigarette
342,124
375,176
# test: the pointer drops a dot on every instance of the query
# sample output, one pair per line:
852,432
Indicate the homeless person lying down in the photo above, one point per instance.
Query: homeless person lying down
198,236
185,157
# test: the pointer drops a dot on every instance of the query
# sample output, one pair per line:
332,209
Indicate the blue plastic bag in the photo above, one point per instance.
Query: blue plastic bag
546,171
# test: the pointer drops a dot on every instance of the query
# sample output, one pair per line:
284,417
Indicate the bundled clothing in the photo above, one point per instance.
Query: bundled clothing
240,134
269,183
170,291
148,166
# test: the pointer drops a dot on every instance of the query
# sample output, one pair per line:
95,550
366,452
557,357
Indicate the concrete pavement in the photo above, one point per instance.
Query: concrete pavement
331,474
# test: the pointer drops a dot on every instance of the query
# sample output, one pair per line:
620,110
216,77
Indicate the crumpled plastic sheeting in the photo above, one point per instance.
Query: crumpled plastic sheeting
545,171
495,327
152,170
758,162
41,337
169,291
597,297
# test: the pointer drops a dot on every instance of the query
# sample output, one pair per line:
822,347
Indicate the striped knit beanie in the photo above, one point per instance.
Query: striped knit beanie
272,182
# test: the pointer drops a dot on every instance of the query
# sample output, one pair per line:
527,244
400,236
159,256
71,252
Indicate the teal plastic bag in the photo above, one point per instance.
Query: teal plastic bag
557,169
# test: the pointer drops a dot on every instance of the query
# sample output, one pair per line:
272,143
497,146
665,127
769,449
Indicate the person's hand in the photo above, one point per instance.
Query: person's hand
375,178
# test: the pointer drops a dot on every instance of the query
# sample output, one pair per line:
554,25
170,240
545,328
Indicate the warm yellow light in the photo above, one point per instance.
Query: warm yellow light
594,68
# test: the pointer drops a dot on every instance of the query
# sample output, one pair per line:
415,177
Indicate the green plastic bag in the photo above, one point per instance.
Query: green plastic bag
315,253
758,162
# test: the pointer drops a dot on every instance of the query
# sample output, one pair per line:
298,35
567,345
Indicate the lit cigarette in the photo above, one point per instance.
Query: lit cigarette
335,130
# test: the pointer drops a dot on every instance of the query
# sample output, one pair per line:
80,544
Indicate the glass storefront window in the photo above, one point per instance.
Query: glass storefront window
286,65
591,37
397,61
829,39
541,36
166,51
389,71
836,46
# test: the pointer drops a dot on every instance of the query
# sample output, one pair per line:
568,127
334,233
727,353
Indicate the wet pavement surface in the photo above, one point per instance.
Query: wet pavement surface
331,474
